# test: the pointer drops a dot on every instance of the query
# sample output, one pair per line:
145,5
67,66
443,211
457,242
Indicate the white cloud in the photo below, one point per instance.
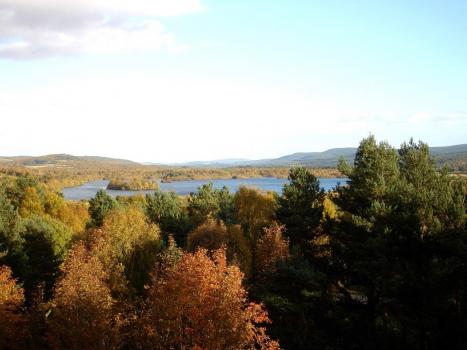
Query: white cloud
38,28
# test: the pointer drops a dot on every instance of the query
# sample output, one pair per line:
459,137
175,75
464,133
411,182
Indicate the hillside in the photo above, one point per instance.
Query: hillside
63,160
453,157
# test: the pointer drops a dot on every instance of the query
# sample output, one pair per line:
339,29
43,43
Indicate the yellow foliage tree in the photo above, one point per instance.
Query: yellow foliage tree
254,210
31,203
132,242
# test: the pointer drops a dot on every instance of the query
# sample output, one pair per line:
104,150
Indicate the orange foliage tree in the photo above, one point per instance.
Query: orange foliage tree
200,303
11,301
271,248
213,235
82,309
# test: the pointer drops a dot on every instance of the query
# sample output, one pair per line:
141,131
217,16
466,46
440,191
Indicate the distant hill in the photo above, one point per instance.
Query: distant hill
63,160
454,157
218,163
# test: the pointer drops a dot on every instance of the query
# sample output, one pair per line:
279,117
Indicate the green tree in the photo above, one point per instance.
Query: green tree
166,210
300,207
208,202
392,248
46,242
11,242
99,206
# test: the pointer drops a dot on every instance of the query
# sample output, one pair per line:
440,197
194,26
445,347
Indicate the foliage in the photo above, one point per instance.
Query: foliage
204,306
392,247
254,210
208,202
11,316
300,207
31,203
99,206
11,241
82,310
294,293
380,262
45,243
271,248
131,241
166,210
213,235
133,184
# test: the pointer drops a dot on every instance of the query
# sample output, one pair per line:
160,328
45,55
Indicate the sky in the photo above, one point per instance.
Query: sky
179,80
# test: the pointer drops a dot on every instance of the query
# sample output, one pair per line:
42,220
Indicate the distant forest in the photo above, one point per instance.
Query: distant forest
378,263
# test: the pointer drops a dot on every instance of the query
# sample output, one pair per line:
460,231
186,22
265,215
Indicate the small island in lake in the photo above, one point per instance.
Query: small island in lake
133,184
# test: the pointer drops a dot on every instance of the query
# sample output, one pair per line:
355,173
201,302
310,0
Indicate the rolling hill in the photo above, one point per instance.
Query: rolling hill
453,157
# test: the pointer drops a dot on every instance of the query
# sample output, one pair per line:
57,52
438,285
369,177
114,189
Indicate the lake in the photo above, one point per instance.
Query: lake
89,190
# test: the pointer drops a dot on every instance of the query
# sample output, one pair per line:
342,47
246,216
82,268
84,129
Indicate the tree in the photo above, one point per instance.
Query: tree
99,206
200,303
73,214
254,211
393,252
295,295
11,241
239,249
300,207
213,235
31,203
131,241
208,202
271,248
82,309
165,209
11,316
46,242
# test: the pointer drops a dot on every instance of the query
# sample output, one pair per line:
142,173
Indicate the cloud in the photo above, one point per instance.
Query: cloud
41,28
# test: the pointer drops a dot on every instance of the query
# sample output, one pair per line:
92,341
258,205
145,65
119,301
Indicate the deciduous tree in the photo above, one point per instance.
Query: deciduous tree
200,303
81,312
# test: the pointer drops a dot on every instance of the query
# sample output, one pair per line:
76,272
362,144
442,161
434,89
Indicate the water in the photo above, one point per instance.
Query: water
90,189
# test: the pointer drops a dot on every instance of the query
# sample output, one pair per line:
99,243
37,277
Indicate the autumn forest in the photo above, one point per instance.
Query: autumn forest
377,263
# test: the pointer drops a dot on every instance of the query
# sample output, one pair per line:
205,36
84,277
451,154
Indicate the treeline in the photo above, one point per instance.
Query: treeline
136,176
380,263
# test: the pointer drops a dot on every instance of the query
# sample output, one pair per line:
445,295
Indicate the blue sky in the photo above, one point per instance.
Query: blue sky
177,80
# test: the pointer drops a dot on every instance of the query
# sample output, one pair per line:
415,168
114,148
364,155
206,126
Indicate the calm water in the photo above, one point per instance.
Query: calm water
90,189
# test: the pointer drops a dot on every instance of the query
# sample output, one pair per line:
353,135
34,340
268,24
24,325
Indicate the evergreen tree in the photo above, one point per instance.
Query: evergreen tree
99,206
300,207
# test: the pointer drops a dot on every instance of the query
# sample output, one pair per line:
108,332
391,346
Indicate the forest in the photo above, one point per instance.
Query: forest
377,263
59,171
